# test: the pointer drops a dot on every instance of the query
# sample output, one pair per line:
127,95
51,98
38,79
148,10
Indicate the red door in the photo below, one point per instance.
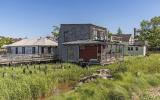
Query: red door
88,52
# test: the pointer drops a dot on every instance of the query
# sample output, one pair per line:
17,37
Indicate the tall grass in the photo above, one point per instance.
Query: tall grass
34,82
130,79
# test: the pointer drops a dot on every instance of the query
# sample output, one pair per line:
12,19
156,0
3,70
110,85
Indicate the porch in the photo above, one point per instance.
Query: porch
103,54
99,52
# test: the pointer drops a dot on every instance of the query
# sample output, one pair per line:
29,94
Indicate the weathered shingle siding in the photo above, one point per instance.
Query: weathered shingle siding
74,32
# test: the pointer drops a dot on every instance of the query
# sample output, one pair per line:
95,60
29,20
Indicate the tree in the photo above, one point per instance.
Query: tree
55,31
119,31
150,31
109,34
5,41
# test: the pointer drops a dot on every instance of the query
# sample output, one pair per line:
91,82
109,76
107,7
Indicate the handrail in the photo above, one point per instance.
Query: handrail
25,57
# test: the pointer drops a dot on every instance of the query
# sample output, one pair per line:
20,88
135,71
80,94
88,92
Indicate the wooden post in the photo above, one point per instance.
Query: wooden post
119,51
67,53
101,61
106,53
116,53
111,52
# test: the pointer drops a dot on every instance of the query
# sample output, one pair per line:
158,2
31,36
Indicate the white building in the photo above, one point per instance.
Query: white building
39,46
132,46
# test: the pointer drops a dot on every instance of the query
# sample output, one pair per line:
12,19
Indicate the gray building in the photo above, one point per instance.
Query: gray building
86,43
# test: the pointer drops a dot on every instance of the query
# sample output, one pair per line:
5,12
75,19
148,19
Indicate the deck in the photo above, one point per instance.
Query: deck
25,58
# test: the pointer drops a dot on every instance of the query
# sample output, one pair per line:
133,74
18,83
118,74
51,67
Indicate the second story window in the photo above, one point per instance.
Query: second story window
98,35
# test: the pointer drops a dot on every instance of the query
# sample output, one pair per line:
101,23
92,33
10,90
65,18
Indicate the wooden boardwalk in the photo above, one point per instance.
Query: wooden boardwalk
22,59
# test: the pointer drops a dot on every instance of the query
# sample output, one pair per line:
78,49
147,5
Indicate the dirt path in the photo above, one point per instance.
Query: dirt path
154,92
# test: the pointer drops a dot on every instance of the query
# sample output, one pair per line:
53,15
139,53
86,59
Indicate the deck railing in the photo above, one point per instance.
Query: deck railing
25,57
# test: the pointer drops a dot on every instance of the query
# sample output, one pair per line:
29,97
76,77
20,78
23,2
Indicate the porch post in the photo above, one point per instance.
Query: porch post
106,58
119,51
111,52
123,52
116,54
38,50
67,53
101,55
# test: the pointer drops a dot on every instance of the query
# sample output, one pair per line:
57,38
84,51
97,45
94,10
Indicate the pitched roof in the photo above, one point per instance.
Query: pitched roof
140,43
124,37
34,42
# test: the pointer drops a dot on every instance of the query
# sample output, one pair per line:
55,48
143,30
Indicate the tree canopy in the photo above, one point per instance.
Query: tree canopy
150,31
5,41
119,31
109,34
55,31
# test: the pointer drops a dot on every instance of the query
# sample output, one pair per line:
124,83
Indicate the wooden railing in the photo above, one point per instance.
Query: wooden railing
9,58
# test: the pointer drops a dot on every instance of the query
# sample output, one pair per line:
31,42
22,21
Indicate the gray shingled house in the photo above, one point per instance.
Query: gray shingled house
87,43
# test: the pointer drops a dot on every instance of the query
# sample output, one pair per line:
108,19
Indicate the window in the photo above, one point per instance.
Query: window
49,49
16,50
98,35
9,50
23,50
129,49
42,50
136,48
33,50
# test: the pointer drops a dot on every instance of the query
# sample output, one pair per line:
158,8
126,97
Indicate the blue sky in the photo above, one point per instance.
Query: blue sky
34,18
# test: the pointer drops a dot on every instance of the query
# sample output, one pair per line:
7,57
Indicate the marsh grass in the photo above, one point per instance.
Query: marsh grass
133,76
38,80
